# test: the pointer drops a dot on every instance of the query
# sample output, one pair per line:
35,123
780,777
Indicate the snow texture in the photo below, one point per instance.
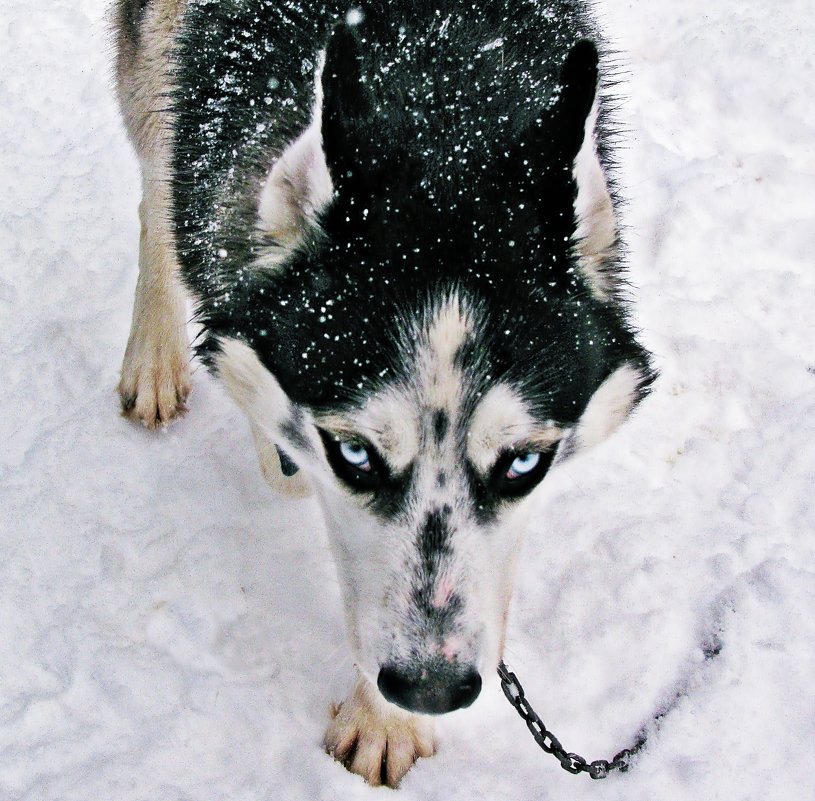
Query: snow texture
170,630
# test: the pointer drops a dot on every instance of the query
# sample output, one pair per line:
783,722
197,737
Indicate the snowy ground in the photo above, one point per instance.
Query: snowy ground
170,630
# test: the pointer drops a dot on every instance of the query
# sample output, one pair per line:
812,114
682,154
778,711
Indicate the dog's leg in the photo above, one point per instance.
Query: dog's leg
155,378
291,481
375,739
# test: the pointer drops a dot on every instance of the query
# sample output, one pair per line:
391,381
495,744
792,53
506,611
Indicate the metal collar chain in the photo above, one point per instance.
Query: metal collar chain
574,763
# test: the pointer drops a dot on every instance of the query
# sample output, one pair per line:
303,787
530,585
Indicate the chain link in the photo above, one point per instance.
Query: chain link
574,763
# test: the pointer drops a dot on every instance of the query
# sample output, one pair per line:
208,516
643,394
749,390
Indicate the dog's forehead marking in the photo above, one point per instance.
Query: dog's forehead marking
441,425
439,377
423,412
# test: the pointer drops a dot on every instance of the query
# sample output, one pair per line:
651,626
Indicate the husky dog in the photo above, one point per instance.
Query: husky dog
397,224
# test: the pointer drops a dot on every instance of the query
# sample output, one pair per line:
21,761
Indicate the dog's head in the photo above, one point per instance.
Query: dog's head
423,341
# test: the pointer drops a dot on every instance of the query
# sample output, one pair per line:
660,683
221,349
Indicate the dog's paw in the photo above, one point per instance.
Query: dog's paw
376,740
155,380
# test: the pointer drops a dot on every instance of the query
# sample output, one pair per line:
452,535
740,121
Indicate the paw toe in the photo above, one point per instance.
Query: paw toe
377,741
155,398
370,758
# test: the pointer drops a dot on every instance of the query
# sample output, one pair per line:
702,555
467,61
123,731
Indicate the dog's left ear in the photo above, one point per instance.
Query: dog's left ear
547,152
578,81
296,190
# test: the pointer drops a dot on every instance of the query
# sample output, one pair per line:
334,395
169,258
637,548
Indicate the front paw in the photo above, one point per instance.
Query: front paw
155,378
375,739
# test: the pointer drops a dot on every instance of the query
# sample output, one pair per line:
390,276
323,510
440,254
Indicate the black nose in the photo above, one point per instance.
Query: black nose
433,688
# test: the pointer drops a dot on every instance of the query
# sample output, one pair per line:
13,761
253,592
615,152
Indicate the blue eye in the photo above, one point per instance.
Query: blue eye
518,473
355,462
355,455
523,464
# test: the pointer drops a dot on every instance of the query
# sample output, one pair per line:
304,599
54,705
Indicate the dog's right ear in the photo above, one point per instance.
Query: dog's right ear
348,110
556,137
332,155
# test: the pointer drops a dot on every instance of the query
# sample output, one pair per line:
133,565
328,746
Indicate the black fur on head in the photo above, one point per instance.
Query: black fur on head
450,132
368,168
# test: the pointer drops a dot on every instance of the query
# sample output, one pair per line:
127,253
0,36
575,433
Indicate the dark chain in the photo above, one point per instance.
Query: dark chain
574,763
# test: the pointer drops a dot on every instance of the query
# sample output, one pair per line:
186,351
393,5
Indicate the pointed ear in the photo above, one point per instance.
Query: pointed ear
555,138
578,80
347,106
543,162
296,190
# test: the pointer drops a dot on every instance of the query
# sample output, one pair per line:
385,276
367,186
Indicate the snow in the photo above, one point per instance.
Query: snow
171,630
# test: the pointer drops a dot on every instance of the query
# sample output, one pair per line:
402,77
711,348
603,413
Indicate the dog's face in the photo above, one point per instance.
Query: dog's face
425,486
424,494
425,355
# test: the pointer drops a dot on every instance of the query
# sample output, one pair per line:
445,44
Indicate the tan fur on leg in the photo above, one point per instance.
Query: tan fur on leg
155,372
375,739
155,379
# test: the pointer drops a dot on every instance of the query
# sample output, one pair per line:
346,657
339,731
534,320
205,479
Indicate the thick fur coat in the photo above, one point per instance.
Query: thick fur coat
396,222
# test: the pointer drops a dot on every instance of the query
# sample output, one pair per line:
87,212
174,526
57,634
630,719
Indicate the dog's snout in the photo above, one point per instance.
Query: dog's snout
433,688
